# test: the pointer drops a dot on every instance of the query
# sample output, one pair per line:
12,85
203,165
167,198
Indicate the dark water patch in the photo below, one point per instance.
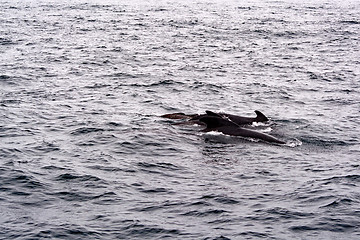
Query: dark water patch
159,83
54,168
97,140
217,238
6,41
46,147
6,102
200,203
158,190
98,86
165,205
86,130
4,77
37,201
115,124
22,179
245,177
79,196
112,169
90,79
138,230
9,80
159,165
107,198
251,234
289,34
66,231
10,153
220,199
350,180
350,22
167,82
77,178
147,208
205,213
284,213
160,9
123,75
314,198
18,193
328,225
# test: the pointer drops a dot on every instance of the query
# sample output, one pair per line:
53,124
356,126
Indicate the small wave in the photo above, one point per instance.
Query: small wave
288,214
78,196
111,169
350,22
21,184
156,83
207,86
6,41
209,212
122,75
97,86
52,167
47,147
10,101
218,238
149,231
4,77
348,179
65,231
338,203
220,199
115,124
9,80
155,190
161,165
7,153
79,178
86,130
251,234
328,224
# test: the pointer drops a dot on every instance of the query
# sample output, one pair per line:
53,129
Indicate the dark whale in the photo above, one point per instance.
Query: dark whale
194,118
216,122
179,116
260,117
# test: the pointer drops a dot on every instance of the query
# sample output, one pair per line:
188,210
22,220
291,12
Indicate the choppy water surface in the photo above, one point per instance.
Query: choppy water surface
84,154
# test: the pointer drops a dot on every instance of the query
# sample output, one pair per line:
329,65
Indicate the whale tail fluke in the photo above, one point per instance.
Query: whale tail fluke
260,117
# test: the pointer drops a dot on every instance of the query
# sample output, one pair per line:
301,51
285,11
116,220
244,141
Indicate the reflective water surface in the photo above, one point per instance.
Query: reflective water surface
85,155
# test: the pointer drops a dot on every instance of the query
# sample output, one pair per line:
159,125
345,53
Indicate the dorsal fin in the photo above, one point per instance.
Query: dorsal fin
260,117
210,113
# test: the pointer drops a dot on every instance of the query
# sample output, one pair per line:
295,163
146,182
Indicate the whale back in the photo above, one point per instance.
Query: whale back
214,122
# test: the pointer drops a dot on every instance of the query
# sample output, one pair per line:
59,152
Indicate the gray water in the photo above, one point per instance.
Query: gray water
85,155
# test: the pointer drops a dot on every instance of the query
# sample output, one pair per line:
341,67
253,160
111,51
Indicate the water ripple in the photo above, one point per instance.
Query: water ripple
85,154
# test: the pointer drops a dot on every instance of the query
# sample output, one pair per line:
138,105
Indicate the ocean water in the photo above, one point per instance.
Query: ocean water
85,155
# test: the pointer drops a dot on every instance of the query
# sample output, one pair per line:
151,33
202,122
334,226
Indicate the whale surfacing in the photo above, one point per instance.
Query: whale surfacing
225,126
225,123
193,118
